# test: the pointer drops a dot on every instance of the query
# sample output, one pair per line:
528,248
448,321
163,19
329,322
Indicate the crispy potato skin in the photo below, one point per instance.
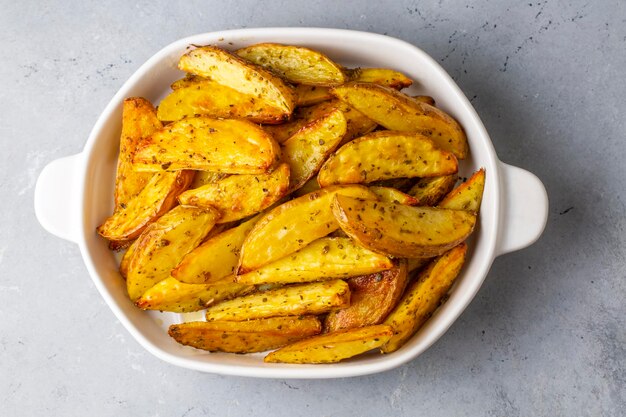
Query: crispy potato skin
385,155
425,99
296,64
164,243
402,231
293,225
468,195
430,191
372,297
381,76
397,111
239,196
325,258
392,195
226,146
333,347
312,298
245,337
423,296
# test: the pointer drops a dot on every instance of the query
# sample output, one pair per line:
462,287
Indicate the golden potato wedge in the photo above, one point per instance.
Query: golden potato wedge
172,295
308,148
239,196
417,263
429,191
245,336
206,177
156,198
397,111
401,184
226,146
381,76
333,347
187,80
392,195
308,95
425,99
312,298
216,258
209,98
232,71
296,64
308,187
125,261
138,121
468,195
384,155
323,259
164,243
293,225
372,297
423,296
402,231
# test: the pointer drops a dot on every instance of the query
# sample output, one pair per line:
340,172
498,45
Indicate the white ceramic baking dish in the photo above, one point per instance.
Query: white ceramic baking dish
74,194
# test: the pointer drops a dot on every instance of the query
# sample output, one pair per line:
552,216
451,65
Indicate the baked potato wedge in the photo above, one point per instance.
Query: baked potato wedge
156,198
308,95
429,191
296,64
164,243
232,71
399,230
206,177
216,258
392,195
172,295
417,263
245,336
303,299
333,347
138,122
468,195
293,225
226,146
425,99
381,76
308,148
385,155
372,297
423,296
397,111
126,257
239,196
323,259
308,187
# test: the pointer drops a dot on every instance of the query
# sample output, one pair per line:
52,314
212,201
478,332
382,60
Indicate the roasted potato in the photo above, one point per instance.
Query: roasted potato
164,243
381,76
333,347
392,195
399,230
323,259
425,99
206,177
385,155
397,111
423,296
308,187
468,195
226,146
312,298
244,336
308,95
429,191
372,297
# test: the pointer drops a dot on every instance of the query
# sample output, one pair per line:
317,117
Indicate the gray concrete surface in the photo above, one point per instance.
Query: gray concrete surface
545,335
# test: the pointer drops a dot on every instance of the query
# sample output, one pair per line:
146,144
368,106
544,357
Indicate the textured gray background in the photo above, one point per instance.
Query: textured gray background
546,333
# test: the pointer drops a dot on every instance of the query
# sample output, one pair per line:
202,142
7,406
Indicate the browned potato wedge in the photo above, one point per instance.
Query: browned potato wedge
417,263
138,121
186,81
333,347
244,336
308,187
308,148
468,195
425,99
391,195
381,76
164,243
239,196
313,298
372,297
179,297
429,191
216,258
423,297
323,259
206,177
385,155
128,255
293,225
227,146
402,231
397,111
232,71
402,184
308,95
156,198
296,64
209,98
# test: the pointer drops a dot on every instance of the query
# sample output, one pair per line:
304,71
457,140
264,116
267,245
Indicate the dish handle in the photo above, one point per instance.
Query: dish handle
57,195
524,203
